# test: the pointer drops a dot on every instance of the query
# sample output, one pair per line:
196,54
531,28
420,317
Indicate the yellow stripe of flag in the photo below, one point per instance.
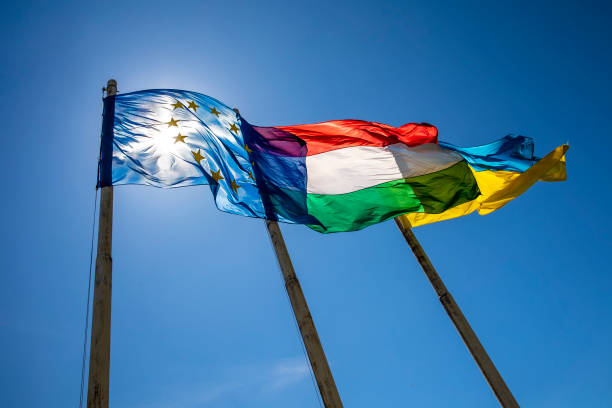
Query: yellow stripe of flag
500,187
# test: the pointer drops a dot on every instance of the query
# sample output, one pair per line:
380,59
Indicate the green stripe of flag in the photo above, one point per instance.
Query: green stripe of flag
431,193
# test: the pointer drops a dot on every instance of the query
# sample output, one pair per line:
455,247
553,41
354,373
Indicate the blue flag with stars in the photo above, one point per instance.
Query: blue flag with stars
174,138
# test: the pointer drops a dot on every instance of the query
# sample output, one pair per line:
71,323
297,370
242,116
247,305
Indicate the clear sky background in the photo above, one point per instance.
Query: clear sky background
200,315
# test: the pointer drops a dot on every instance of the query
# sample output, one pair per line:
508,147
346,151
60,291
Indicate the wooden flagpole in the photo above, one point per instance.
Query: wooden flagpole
99,354
314,349
488,369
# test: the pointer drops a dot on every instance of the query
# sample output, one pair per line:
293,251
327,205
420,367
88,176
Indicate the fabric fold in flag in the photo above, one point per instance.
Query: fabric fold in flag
334,176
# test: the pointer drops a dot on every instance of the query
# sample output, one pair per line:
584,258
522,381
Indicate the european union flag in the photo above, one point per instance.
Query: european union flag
174,138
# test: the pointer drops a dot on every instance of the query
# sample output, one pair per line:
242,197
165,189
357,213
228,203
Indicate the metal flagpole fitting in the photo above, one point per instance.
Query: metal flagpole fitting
312,343
99,354
488,369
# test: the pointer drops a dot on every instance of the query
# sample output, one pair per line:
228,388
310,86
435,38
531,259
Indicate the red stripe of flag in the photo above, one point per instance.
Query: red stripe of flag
338,134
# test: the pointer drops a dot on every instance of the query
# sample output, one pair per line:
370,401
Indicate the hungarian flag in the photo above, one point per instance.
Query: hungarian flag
334,176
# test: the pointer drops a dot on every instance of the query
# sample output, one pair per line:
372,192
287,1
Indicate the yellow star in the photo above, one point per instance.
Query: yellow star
234,128
216,175
197,156
251,175
180,138
193,105
214,111
234,186
173,122
177,105
248,149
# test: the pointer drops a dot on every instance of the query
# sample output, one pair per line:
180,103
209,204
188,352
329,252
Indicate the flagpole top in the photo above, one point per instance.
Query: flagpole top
111,87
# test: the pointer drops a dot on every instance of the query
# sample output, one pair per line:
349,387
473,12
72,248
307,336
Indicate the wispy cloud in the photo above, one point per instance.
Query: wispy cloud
197,396
288,372
259,379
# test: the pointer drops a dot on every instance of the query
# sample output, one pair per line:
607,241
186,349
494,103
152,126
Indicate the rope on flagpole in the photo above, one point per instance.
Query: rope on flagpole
87,305
297,329
318,361
484,362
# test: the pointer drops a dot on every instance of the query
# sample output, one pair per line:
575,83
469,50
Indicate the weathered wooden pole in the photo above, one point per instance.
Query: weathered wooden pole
488,369
99,354
316,355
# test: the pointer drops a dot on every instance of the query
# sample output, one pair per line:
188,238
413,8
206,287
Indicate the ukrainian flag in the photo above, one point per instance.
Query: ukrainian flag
503,170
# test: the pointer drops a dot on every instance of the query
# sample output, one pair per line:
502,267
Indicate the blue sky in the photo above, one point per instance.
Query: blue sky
200,316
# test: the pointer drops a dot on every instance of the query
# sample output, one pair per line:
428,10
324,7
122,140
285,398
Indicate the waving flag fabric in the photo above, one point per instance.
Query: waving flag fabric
334,176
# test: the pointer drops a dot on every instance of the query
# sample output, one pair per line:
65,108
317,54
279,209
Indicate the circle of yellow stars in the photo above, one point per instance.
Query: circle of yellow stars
197,155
